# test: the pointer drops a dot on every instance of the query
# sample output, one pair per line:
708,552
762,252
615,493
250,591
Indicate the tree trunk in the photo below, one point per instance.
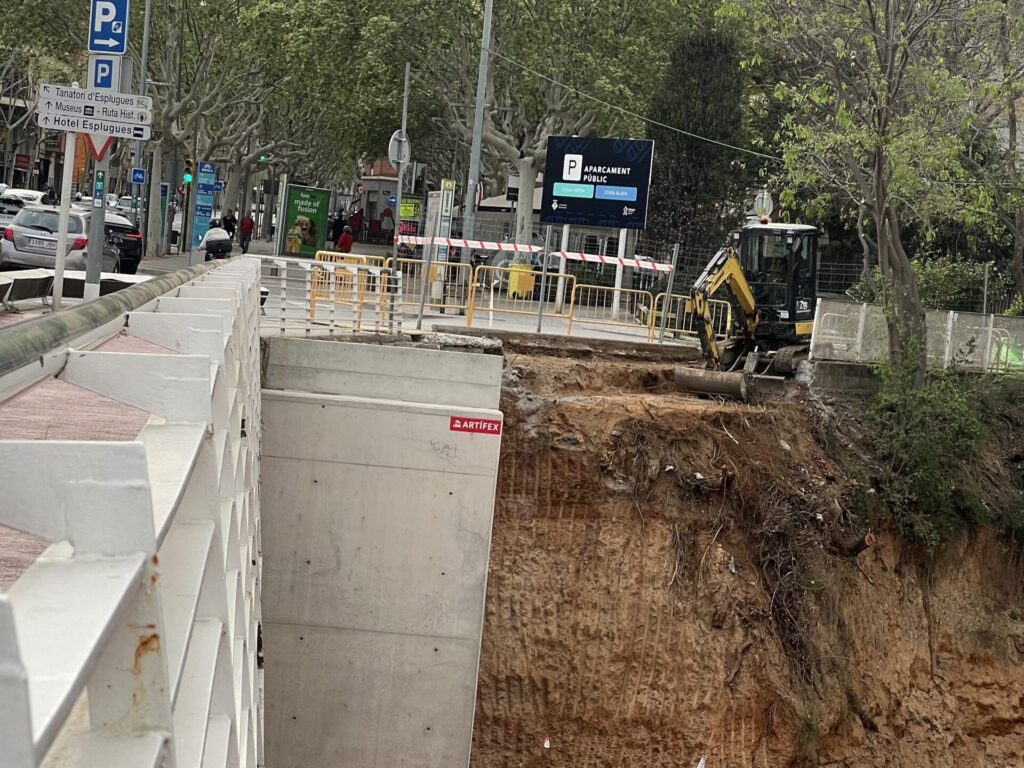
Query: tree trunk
232,185
9,156
1017,263
901,302
524,211
154,243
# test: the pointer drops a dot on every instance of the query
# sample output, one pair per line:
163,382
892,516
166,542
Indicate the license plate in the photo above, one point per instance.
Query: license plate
48,244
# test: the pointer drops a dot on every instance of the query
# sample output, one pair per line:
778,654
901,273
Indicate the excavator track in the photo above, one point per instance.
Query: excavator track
788,359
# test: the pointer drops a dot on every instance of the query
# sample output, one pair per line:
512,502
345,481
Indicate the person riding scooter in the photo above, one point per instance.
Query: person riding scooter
216,242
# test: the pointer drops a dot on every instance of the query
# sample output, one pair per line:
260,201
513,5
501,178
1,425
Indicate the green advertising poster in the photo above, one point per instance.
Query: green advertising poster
305,220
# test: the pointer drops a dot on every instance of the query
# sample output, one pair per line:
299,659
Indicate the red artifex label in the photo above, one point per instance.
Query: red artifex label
483,426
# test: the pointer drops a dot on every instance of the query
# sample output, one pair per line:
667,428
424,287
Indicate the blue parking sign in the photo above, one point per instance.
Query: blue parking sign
138,175
108,27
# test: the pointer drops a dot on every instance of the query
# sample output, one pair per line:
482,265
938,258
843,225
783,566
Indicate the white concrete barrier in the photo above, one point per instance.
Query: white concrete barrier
132,640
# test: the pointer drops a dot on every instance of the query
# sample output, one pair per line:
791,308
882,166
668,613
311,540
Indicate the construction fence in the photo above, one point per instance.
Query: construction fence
848,331
835,274
346,293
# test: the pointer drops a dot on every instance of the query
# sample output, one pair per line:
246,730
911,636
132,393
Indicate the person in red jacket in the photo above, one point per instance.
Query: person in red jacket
245,229
345,241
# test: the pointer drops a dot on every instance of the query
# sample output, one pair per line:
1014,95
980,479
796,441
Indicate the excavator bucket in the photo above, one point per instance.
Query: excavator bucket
735,384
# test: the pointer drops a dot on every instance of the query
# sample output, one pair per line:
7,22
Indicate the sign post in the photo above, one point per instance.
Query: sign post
102,117
62,226
202,211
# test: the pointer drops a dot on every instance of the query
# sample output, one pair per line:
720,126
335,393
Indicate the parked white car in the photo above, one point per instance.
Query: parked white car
29,196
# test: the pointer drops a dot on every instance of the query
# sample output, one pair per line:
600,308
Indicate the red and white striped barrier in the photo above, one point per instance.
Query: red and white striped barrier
480,245
592,257
484,245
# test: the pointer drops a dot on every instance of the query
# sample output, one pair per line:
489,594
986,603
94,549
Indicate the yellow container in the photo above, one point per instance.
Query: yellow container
520,281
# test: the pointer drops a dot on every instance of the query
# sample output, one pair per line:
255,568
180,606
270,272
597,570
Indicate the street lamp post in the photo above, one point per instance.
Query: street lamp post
469,215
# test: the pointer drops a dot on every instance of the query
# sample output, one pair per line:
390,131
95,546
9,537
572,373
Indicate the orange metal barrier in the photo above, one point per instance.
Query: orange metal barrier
680,317
515,291
615,307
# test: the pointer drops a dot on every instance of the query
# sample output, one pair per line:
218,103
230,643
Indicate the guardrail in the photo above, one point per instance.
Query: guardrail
132,640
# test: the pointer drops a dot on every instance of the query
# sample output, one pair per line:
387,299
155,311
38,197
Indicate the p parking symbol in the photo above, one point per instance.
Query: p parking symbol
572,168
103,73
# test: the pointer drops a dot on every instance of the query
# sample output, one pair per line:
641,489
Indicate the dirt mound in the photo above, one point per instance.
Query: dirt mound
673,578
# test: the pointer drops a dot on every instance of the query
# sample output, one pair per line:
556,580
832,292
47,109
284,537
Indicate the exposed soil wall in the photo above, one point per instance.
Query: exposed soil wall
671,579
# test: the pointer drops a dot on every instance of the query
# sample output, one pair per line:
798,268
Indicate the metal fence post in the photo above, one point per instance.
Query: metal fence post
543,277
948,356
560,297
861,322
430,249
988,343
668,294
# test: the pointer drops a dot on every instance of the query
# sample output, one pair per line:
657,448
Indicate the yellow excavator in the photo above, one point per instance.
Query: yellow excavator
768,275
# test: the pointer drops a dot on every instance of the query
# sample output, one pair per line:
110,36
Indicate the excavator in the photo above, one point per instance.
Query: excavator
767,274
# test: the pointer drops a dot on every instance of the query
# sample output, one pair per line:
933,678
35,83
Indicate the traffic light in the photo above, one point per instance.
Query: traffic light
190,169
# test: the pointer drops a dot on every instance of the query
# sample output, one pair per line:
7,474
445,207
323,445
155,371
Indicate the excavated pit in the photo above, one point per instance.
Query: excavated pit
673,578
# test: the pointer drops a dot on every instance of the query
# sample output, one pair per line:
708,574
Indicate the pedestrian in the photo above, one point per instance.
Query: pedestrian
216,242
229,222
245,230
356,223
345,241
338,225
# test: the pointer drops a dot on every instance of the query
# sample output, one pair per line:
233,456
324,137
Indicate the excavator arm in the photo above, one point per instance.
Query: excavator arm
723,271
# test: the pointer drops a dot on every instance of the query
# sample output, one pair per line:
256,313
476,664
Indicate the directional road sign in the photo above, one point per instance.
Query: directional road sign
54,108
392,201
50,91
94,126
138,175
108,27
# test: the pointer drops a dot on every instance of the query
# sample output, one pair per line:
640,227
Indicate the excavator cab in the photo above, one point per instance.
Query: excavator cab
768,277
780,263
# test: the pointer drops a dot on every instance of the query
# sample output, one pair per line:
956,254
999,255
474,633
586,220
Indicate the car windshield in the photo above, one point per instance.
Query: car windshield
45,221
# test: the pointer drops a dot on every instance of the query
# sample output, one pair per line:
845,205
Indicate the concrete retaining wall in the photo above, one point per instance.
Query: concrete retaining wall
394,373
377,524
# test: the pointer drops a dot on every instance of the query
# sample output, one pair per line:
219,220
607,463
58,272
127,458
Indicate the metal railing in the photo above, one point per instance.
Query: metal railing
517,291
680,319
132,639
325,298
619,308
447,284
